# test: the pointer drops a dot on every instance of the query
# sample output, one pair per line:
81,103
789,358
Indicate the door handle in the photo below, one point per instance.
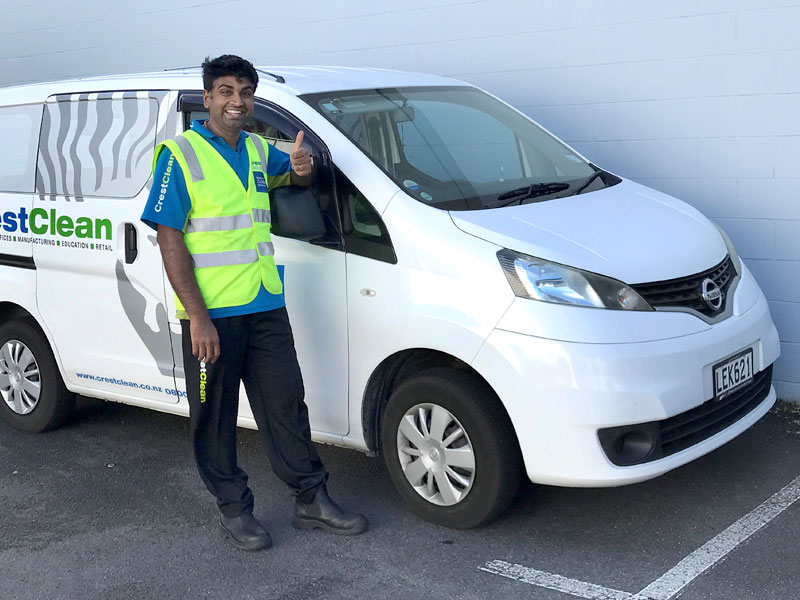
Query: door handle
131,243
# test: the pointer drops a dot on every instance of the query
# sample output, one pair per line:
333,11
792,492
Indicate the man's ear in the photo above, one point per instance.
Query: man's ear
205,98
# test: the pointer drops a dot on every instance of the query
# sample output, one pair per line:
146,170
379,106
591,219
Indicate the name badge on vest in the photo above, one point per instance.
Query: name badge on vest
261,183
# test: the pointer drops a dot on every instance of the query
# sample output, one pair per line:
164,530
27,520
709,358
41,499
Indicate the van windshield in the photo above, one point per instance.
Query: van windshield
458,148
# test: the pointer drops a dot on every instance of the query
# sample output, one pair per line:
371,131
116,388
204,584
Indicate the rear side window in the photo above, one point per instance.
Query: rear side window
97,144
19,135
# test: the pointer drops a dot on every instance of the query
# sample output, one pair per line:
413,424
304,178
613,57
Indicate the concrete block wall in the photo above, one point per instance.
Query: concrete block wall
697,98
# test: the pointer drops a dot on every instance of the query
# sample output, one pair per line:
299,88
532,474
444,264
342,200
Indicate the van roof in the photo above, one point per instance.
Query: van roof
297,81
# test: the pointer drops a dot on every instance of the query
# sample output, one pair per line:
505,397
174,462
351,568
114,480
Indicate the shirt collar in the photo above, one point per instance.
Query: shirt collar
199,127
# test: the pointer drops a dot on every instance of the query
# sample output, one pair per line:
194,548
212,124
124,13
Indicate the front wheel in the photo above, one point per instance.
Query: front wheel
33,397
450,450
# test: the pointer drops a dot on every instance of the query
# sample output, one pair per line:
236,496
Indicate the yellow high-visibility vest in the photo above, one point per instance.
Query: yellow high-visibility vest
227,230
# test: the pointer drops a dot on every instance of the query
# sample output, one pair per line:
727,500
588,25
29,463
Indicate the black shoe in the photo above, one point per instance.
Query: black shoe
322,513
245,532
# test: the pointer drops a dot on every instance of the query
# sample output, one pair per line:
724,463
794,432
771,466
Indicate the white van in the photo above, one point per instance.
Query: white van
475,298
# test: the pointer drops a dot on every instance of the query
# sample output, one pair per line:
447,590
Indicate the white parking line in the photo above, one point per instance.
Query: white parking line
707,555
679,576
551,581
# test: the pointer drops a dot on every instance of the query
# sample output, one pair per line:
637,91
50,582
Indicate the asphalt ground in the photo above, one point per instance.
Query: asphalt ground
110,506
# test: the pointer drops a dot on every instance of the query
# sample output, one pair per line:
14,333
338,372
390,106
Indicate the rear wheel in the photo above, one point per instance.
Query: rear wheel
450,450
32,394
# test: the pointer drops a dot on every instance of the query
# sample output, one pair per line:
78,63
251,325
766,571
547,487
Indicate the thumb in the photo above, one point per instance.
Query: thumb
298,141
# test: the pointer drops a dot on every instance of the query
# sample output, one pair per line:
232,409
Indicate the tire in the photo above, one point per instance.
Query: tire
33,397
472,492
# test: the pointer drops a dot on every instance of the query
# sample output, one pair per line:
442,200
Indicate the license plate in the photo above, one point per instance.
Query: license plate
733,373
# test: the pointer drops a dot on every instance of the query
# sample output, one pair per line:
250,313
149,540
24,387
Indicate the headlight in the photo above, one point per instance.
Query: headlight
538,279
731,250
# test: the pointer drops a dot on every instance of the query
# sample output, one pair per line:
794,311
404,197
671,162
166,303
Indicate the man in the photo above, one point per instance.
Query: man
210,207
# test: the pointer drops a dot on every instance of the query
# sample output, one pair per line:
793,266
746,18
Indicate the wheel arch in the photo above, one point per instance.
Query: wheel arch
11,310
396,369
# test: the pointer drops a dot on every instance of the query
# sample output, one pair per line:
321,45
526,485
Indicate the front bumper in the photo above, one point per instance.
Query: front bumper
559,394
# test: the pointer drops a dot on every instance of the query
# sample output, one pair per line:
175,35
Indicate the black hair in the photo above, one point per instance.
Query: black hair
228,64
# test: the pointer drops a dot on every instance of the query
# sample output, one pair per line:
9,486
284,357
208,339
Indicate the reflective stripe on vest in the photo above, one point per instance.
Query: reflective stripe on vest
220,223
262,216
195,170
227,232
224,259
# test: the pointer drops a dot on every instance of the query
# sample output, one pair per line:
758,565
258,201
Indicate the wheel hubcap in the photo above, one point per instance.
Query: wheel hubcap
436,454
20,385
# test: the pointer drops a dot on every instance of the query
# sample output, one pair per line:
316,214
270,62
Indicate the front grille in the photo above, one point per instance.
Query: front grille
687,429
686,292
646,442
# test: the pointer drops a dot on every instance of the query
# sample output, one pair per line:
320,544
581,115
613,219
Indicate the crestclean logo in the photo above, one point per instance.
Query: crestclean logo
41,221
164,184
203,379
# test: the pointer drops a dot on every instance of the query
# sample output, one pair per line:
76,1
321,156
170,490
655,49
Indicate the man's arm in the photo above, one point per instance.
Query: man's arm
178,264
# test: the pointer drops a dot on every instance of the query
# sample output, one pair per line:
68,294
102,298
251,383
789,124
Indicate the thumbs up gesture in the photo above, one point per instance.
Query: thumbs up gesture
300,157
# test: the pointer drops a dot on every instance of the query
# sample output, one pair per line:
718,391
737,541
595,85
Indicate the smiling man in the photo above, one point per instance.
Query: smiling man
210,207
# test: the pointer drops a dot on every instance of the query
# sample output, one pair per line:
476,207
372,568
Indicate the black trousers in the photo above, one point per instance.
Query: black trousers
257,349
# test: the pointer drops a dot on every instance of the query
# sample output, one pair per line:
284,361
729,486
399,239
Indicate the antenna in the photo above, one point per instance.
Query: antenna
181,68
277,78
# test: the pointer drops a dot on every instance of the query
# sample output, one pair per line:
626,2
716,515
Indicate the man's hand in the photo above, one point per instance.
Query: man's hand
300,157
205,340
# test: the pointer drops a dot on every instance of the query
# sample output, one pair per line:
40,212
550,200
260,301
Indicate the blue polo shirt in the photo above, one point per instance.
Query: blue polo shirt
173,210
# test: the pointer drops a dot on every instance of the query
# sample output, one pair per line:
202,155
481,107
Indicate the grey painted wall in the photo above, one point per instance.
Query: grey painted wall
700,99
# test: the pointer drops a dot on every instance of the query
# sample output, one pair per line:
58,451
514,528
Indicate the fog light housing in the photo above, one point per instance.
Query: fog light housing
631,444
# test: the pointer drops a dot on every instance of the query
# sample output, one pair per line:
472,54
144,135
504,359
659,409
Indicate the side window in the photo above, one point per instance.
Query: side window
280,133
19,137
272,134
193,115
364,231
97,144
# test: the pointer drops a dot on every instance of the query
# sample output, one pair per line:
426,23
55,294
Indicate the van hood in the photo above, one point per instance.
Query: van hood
627,231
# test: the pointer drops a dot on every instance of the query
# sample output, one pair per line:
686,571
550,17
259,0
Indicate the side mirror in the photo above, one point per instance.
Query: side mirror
295,213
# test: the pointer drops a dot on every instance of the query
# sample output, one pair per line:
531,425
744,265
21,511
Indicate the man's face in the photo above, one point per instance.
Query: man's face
229,103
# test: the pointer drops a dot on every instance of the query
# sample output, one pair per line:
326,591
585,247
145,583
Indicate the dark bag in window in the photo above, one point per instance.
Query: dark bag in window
295,213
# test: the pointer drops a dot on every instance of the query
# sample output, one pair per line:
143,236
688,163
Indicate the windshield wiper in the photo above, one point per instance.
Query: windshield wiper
531,191
586,183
